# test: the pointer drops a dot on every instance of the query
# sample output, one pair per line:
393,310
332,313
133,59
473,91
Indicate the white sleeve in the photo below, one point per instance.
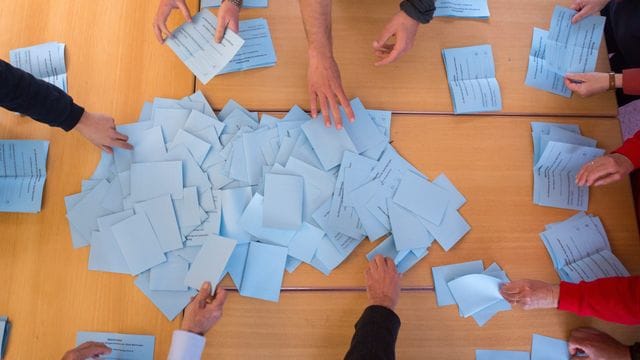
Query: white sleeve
186,346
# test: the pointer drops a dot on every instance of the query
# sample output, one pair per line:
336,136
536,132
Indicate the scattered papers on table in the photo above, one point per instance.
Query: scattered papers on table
573,48
5,329
123,346
203,195
501,355
580,250
472,79
477,9
542,348
474,289
257,50
44,61
245,4
538,76
23,172
193,42
559,152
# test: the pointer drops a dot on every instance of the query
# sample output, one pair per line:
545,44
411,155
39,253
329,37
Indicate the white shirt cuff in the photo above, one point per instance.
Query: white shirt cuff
186,346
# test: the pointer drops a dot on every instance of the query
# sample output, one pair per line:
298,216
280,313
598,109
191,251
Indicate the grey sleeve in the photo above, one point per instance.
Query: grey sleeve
419,10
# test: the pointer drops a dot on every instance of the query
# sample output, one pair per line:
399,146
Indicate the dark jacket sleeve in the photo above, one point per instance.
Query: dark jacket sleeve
375,336
419,10
22,92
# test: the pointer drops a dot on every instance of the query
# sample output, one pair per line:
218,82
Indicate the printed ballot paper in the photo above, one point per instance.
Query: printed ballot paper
472,80
123,346
23,171
538,76
542,348
44,61
475,9
206,194
559,153
257,50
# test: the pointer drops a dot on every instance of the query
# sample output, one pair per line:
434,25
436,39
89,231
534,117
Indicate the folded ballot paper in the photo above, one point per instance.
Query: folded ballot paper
559,152
580,250
475,9
44,61
542,348
474,289
193,42
5,329
471,74
203,195
23,172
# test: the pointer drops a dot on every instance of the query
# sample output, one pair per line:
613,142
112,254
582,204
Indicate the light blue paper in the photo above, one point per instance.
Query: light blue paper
236,263
210,263
501,355
546,348
538,76
257,50
234,201
162,217
475,292
408,231
170,303
170,275
450,231
421,197
328,142
363,132
150,180
304,243
138,243
123,346
475,9
23,172
252,222
44,61
443,274
264,270
283,201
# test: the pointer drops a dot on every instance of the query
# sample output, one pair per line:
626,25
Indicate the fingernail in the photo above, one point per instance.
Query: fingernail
339,127
207,285
352,119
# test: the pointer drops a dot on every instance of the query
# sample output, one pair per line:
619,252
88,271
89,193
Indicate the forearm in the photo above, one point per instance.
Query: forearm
316,16
631,149
23,93
376,334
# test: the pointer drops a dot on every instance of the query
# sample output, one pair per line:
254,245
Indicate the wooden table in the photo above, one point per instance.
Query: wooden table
115,64
415,83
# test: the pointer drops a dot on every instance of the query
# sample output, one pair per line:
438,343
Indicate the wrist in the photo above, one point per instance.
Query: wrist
385,302
322,52
190,330
237,3
618,80
555,295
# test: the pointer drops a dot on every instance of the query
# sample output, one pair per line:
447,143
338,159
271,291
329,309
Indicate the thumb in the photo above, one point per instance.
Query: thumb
185,10
576,76
221,297
93,349
583,13
222,25
204,293
386,33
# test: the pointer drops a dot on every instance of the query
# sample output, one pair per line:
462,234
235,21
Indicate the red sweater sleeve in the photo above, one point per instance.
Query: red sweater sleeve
631,149
615,299
631,81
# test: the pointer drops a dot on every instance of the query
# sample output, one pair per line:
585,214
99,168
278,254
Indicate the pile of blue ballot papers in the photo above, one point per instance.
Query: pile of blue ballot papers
474,289
44,61
580,250
193,42
559,152
542,348
565,48
23,172
5,329
471,74
203,195
475,9
123,346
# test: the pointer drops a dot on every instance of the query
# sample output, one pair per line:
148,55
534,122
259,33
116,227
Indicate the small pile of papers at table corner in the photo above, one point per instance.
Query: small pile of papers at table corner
559,152
5,329
474,289
542,348
474,9
588,259
205,194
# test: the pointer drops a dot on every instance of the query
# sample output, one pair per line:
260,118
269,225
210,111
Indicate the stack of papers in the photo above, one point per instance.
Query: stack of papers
123,346
538,76
23,172
474,289
580,250
245,4
472,79
203,195
5,329
257,50
475,9
559,152
542,348
44,61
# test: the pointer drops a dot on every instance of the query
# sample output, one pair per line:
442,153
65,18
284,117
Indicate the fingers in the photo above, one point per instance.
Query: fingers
583,13
324,109
234,25
121,144
346,105
203,294
220,297
165,29
335,110
107,149
608,180
120,136
313,104
393,55
573,86
185,10
386,33
93,349
158,32
380,261
222,25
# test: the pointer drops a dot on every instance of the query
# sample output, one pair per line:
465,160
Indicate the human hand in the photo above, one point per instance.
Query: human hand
204,310
404,28
586,8
100,129
383,282
531,294
587,84
604,170
596,345
164,9
228,15
325,87
88,350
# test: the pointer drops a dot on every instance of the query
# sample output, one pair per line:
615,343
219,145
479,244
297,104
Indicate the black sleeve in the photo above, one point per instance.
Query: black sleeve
23,93
375,336
634,351
419,10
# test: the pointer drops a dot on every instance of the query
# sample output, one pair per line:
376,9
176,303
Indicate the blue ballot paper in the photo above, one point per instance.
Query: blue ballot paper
328,142
257,50
193,42
538,76
245,3
573,48
44,61
138,243
123,346
263,271
211,261
475,292
304,243
476,9
443,274
283,201
546,348
501,355
170,303
23,172
472,80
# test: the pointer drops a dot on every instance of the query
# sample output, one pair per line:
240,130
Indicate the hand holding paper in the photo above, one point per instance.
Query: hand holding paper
164,10
531,294
87,350
604,170
100,130
205,310
383,282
